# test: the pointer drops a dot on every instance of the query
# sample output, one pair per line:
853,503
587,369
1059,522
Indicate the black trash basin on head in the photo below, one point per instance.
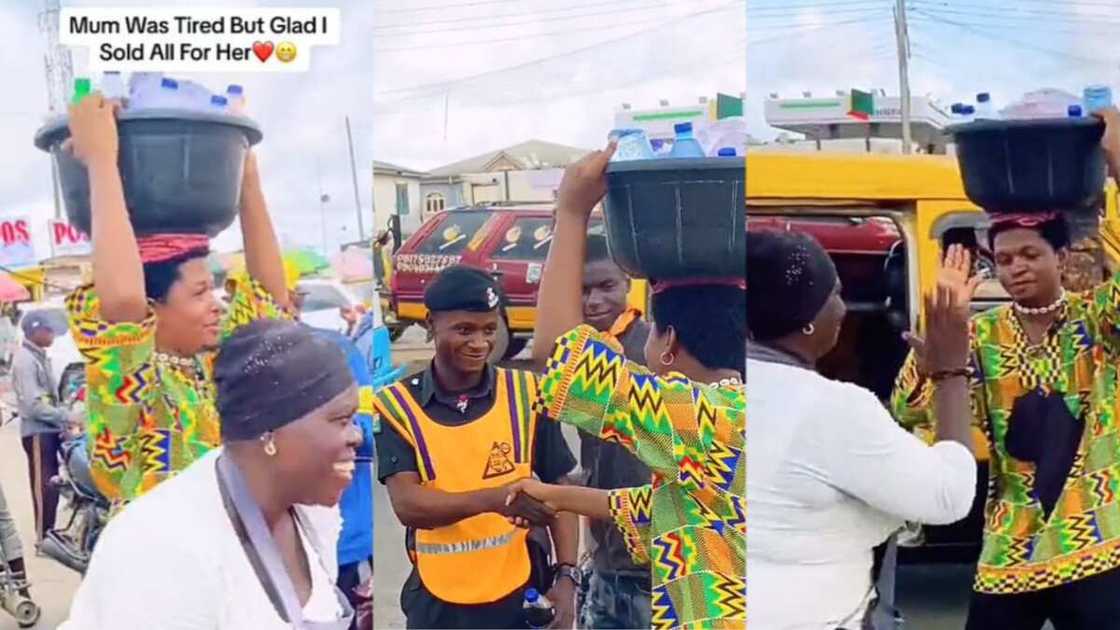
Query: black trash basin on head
677,218
181,170
1031,165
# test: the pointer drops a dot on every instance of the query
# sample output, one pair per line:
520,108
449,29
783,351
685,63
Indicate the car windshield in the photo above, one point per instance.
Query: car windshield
451,237
322,297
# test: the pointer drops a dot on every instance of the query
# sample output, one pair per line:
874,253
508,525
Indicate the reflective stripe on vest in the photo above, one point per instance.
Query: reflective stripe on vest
489,452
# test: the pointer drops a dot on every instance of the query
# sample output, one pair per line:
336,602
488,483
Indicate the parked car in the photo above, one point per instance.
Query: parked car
510,242
325,302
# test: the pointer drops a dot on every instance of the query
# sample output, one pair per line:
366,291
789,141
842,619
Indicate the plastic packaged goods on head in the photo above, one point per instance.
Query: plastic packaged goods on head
1042,103
632,144
726,132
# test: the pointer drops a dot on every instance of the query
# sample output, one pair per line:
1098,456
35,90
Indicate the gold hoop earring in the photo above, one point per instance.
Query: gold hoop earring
669,361
269,445
809,329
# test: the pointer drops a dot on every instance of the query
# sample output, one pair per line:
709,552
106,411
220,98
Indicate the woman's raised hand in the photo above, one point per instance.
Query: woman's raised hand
93,130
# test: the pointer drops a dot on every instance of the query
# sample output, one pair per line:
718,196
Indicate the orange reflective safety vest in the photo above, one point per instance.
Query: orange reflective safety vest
623,322
483,558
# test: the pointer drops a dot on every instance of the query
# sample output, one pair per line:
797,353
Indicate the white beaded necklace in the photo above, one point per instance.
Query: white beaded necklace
728,382
1041,310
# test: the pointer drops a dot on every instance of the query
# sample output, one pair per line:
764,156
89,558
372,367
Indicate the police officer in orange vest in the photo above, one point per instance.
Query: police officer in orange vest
452,438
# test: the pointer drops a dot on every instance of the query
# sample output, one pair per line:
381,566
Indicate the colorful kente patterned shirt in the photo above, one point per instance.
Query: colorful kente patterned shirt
149,419
689,524
1024,549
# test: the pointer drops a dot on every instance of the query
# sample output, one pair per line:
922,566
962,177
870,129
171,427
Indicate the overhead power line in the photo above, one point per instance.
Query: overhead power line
656,22
534,20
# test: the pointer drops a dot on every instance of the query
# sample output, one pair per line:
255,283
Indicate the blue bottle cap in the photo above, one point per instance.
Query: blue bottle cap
685,127
968,110
726,152
169,83
219,100
1074,111
956,108
532,595
234,89
983,97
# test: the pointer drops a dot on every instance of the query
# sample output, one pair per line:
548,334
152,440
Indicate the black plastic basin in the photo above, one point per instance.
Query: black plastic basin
1032,165
181,170
677,218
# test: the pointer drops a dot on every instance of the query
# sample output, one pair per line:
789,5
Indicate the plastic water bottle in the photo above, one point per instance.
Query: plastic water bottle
235,95
1096,97
685,145
968,113
112,86
632,145
984,108
167,96
1074,111
539,612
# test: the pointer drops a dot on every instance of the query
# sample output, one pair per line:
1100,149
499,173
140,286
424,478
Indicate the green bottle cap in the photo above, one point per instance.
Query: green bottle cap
81,89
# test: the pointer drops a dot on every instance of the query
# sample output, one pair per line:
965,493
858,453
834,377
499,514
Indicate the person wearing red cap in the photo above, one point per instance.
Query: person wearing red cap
1043,379
149,324
684,417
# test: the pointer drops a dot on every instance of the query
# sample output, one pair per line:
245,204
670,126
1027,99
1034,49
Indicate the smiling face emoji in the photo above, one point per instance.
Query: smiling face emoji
286,52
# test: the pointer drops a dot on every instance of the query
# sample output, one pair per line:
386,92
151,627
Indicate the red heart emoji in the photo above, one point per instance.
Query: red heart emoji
263,50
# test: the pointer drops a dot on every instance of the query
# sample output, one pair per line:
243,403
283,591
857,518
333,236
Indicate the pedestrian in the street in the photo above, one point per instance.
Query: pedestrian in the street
150,323
246,536
42,419
615,590
832,475
1043,373
685,419
453,439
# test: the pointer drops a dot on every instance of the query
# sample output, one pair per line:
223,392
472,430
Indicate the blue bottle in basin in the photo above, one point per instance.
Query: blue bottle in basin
685,144
1096,97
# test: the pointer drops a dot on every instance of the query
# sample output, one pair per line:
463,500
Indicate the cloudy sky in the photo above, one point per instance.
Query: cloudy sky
302,116
1006,47
456,78
425,83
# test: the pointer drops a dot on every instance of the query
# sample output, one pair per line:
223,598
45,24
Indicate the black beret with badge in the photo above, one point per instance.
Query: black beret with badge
463,288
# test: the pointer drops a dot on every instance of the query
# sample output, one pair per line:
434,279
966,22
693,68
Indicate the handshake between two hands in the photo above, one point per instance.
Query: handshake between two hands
525,504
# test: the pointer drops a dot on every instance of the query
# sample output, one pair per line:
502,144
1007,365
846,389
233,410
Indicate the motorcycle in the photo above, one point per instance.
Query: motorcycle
86,509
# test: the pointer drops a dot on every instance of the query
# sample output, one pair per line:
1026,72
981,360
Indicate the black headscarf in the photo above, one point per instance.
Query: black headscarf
271,373
789,279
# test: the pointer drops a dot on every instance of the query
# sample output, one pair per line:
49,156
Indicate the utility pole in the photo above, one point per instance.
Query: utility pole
59,69
902,39
354,175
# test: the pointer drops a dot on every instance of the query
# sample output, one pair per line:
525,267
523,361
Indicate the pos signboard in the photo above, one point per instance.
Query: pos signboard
16,247
67,240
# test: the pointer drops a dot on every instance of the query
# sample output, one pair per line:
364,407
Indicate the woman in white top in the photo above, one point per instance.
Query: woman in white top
246,536
830,474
